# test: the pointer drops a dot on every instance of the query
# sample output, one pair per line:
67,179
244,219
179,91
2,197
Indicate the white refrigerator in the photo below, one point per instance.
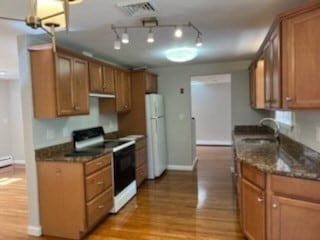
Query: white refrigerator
156,135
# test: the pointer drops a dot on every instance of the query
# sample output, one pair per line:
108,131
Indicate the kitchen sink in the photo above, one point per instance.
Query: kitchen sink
259,140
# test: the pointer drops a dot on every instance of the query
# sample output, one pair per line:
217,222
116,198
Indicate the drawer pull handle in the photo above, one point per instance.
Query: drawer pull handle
288,99
260,200
99,163
101,206
100,182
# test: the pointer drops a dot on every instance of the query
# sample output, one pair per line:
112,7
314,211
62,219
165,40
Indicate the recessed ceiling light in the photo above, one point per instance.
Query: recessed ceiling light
181,54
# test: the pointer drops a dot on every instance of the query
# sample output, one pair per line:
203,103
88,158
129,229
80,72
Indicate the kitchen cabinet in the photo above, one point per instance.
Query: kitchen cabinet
151,82
253,208
74,196
59,83
301,60
101,78
141,161
137,115
291,57
294,202
123,91
257,94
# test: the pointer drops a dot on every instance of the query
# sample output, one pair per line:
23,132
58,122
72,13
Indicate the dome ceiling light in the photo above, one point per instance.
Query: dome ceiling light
152,24
181,54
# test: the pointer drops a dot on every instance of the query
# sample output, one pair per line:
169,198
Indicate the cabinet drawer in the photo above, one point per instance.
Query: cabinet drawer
97,164
253,175
141,174
140,143
98,182
295,187
140,157
99,206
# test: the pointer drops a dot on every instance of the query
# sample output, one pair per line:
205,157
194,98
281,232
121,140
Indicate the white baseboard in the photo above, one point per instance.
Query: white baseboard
34,231
22,162
204,142
183,167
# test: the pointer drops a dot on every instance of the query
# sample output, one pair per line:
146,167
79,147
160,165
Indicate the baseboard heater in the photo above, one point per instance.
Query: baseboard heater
6,161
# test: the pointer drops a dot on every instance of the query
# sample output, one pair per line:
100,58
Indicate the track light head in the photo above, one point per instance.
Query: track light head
117,43
125,37
150,36
199,40
178,32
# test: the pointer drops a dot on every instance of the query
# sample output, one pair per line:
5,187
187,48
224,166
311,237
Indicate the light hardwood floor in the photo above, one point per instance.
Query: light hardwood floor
179,205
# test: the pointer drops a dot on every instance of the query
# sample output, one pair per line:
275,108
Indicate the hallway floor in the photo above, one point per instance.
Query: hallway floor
179,205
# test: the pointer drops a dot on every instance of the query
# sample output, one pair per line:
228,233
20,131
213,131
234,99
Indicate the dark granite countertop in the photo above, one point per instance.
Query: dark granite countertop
290,158
57,153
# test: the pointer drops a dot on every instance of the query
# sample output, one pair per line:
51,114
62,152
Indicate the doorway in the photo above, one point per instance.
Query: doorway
211,109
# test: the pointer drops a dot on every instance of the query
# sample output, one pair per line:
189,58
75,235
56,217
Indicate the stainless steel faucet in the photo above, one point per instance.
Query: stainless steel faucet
275,124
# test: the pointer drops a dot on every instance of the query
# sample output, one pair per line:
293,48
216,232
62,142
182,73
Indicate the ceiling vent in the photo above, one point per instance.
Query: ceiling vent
138,8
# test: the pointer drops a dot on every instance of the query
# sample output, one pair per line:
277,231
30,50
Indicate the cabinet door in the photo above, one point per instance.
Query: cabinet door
96,77
108,79
81,86
294,219
151,83
276,80
252,211
268,74
301,38
123,91
253,85
64,85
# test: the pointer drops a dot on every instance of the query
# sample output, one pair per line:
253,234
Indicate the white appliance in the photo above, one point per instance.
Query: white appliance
156,135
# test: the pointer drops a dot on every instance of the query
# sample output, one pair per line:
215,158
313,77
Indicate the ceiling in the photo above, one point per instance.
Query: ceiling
232,30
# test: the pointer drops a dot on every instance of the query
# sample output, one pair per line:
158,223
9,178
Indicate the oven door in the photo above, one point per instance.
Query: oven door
123,168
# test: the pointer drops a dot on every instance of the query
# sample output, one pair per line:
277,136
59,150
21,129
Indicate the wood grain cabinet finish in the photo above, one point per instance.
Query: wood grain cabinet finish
253,209
301,60
141,161
59,84
101,78
72,199
137,115
277,207
291,58
151,83
123,91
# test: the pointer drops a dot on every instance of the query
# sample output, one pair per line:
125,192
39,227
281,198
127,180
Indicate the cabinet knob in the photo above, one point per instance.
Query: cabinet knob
274,205
99,163
77,108
101,206
260,200
288,99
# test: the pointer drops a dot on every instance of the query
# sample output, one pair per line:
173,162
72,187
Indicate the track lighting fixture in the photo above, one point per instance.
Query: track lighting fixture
151,24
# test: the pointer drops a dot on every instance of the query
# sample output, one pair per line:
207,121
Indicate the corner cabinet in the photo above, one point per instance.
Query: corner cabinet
291,58
59,83
74,196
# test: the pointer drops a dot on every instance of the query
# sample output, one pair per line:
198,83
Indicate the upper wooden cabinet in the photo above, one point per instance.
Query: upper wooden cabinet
123,91
59,83
140,85
101,78
257,93
291,56
151,83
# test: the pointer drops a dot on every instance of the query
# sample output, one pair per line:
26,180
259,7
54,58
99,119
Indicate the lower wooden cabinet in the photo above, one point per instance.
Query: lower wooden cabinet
253,209
73,196
274,207
141,161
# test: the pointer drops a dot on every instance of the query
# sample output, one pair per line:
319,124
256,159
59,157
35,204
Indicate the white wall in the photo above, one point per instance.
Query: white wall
178,106
5,138
211,107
